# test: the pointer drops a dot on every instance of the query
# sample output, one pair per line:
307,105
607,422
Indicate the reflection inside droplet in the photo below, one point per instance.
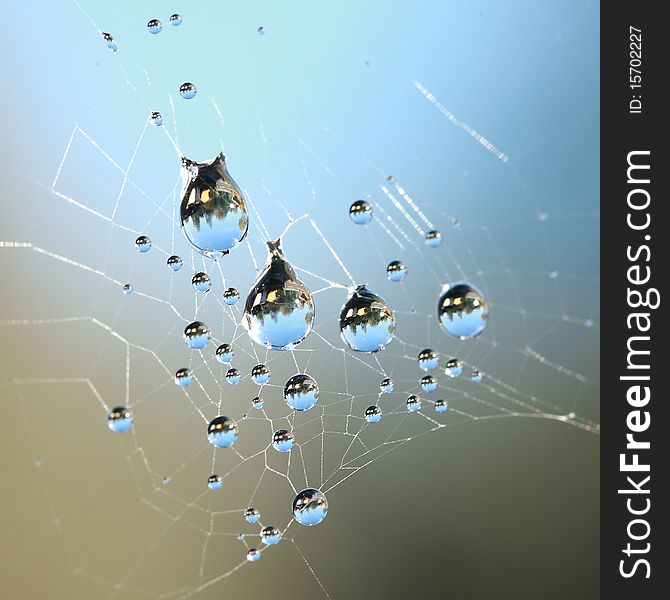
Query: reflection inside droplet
367,323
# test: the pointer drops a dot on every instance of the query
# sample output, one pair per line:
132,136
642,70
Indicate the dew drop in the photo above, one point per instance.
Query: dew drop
225,354
233,376
279,310
188,90
197,335
156,118
257,402
270,535
120,419
396,271
175,20
183,377
214,216
231,296
428,359
154,26
360,212
367,323
301,392
143,244
386,385
127,289
109,40
215,482
462,310
283,440
441,406
476,375
454,368
175,262
261,30
201,282
310,507
428,383
253,554
222,431
373,414
260,374
251,515
553,274
433,238
413,403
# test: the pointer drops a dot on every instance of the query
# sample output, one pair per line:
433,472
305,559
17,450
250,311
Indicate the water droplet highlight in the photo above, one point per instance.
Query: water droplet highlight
214,216
301,392
367,323
360,212
310,507
222,431
462,310
120,419
279,310
197,335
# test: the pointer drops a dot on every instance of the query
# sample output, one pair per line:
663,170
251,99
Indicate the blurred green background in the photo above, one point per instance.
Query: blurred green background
314,114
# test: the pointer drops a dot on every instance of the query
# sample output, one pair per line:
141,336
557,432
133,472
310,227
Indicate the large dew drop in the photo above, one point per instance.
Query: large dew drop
279,311
462,310
310,507
214,216
222,431
301,392
367,323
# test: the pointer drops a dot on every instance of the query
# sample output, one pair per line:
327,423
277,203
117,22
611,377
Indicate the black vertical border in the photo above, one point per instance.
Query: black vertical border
621,133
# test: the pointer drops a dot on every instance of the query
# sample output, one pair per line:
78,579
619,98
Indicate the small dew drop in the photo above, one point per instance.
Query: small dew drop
261,30
441,406
154,26
120,419
428,383
310,507
257,402
156,118
251,515
175,262
396,271
188,90
109,40
231,296
253,554
225,353
197,335
222,431
360,212
233,376
433,238
454,368
428,359
283,440
201,282
127,289
260,374
183,377
373,414
214,482
143,244
386,385
175,20
301,392
413,403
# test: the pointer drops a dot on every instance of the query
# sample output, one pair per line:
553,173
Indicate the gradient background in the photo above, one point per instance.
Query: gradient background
501,507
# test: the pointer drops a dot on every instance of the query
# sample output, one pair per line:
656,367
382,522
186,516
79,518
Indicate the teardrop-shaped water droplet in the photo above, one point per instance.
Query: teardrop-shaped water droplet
214,216
367,323
462,310
279,311
109,40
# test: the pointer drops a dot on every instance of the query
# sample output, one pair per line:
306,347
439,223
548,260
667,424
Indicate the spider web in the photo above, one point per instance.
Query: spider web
100,348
